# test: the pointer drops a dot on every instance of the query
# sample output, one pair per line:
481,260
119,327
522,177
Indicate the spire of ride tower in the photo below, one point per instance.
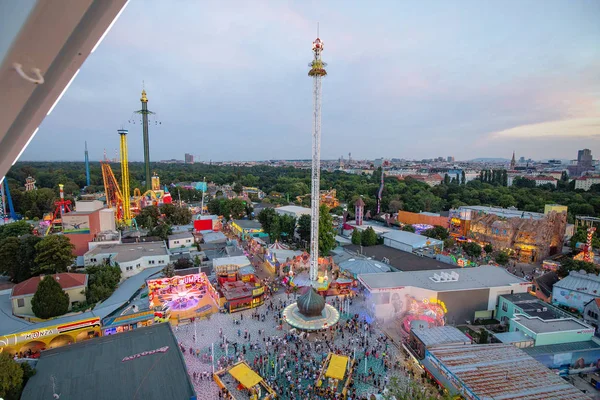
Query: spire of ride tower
317,71
145,112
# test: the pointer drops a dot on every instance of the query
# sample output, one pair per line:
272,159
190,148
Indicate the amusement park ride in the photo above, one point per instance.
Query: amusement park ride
587,254
119,197
381,185
5,194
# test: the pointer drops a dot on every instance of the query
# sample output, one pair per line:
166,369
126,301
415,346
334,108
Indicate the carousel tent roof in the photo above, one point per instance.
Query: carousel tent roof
278,246
337,367
244,375
364,266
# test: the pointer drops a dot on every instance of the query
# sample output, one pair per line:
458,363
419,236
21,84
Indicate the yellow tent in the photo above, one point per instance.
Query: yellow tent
337,367
244,375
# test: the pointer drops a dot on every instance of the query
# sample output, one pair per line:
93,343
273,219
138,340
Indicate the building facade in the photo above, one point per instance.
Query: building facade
131,258
576,290
72,284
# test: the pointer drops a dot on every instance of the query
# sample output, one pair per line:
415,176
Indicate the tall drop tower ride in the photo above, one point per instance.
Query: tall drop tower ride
145,112
87,167
317,72
125,177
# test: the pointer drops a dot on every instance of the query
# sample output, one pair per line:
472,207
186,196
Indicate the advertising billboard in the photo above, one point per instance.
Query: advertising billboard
76,223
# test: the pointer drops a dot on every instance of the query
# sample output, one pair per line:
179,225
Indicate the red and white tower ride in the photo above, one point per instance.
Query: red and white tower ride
317,72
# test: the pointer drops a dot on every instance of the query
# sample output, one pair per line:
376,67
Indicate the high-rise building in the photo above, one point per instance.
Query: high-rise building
521,160
189,158
584,163
450,159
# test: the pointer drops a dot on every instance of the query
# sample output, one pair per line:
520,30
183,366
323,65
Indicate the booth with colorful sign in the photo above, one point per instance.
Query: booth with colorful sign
185,297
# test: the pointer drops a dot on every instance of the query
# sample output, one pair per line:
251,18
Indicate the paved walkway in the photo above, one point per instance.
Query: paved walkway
286,360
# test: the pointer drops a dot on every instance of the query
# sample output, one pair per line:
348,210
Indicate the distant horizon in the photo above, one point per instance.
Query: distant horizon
229,81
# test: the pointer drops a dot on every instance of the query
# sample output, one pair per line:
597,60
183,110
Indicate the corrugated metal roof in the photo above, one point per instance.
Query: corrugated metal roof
440,335
503,372
580,282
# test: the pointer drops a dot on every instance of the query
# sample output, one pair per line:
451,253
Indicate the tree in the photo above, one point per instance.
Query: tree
149,217
483,336
369,237
304,227
463,178
437,232
399,389
183,263
175,215
502,258
54,254
237,188
15,229
408,228
102,282
449,243
49,299
569,265
11,375
326,234
287,225
581,237
488,248
356,237
472,249
9,256
266,218
162,231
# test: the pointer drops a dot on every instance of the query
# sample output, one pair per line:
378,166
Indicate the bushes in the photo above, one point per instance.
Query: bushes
472,249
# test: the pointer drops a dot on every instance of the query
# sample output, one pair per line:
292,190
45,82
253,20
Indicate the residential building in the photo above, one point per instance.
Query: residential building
21,295
542,286
542,180
189,158
591,313
132,258
496,371
576,290
586,182
526,304
446,296
450,159
551,331
180,240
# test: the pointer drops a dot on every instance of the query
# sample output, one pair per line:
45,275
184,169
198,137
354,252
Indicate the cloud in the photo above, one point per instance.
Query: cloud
570,128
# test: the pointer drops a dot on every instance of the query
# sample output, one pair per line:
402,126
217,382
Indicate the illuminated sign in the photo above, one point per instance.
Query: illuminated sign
146,353
258,291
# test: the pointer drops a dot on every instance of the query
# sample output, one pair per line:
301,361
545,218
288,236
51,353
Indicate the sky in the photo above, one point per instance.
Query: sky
228,81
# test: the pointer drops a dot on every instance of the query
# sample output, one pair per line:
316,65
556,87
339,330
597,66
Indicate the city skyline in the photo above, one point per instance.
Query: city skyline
410,82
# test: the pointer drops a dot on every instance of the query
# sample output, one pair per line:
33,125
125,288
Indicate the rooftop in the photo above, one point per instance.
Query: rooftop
546,282
503,372
538,325
294,209
535,307
181,235
485,276
402,260
363,266
503,212
240,261
580,282
411,239
440,335
92,369
66,281
248,224
130,251
513,337
562,348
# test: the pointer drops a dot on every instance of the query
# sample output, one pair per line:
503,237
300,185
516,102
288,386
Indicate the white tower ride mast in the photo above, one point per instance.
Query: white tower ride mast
317,72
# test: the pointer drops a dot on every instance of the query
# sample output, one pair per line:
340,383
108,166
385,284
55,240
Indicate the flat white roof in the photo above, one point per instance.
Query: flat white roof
411,239
485,276
240,261
294,209
130,251
538,325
